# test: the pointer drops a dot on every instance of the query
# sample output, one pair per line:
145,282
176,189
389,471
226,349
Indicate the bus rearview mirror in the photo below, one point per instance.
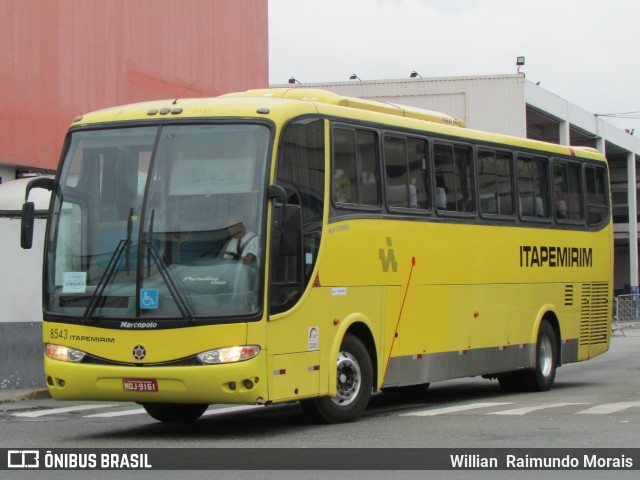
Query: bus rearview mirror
28,210
26,230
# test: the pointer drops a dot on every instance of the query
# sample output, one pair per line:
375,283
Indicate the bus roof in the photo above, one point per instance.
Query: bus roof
282,104
323,96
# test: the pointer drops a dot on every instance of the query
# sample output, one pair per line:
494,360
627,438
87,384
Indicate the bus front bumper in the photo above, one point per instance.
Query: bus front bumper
232,383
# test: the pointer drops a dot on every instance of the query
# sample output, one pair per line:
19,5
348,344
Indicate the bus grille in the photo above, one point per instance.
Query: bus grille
568,295
595,312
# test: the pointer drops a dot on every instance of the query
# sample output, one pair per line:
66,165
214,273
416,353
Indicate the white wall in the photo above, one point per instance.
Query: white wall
493,103
7,173
21,363
21,273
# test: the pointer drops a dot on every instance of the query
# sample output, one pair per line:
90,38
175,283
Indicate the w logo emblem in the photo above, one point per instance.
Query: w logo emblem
388,257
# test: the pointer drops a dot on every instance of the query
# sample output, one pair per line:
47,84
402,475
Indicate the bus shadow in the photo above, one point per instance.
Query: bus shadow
437,395
259,425
264,424
447,393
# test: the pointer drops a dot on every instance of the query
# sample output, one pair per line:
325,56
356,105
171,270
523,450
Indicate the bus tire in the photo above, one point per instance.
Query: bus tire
175,412
542,376
354,376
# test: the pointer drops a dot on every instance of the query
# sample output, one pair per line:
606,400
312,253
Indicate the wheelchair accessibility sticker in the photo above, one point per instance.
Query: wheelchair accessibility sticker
149,298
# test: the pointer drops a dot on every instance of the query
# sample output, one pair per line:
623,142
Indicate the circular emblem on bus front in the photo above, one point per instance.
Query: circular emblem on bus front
139,352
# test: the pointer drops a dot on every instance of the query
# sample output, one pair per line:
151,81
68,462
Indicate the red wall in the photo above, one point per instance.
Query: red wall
62,58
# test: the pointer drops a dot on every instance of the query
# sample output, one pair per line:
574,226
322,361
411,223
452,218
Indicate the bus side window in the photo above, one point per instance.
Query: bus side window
368,160
464,179
495,182
567,191
533,187
345,170
395,162
355,177
576,208
597,198
419,192
504,180
454,179
406,166
443,161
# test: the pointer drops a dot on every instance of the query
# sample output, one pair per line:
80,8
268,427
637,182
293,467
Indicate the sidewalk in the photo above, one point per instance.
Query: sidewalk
8,395
631,329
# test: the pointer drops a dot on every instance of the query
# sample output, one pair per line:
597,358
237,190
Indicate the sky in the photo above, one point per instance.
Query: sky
584,51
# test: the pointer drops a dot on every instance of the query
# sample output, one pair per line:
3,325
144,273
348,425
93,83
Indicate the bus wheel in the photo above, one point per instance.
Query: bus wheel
354,376
540,378
175,412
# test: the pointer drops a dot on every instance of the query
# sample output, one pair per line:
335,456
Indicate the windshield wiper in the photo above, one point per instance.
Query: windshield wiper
167,276
124,245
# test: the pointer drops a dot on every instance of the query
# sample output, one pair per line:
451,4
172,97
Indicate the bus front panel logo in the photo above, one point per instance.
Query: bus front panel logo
139,352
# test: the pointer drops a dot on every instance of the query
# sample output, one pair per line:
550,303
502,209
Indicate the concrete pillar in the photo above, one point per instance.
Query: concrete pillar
633,222
565,134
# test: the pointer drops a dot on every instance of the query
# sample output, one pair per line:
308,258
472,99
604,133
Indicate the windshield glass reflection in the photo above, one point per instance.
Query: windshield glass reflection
172,231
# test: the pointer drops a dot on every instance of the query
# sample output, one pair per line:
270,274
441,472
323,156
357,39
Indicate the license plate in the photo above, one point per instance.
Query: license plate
140,384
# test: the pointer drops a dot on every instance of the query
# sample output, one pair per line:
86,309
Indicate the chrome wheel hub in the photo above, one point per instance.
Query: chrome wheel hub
546,357
349,379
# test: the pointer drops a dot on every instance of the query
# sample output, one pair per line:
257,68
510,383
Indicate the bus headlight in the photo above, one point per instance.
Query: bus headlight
64,354
228,354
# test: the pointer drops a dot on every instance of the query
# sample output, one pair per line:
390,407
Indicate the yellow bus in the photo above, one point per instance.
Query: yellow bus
287,245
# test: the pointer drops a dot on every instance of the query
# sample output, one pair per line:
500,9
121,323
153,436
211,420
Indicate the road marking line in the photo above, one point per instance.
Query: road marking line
525,410
459,408
138,411
220,411
55,411
121,413
609,408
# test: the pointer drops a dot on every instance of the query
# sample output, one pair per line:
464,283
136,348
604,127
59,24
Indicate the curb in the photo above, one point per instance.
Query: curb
18,396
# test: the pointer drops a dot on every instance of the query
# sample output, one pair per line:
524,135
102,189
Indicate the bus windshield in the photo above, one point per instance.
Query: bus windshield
159,223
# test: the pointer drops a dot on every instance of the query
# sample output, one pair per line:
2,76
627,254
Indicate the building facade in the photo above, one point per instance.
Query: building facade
63,58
